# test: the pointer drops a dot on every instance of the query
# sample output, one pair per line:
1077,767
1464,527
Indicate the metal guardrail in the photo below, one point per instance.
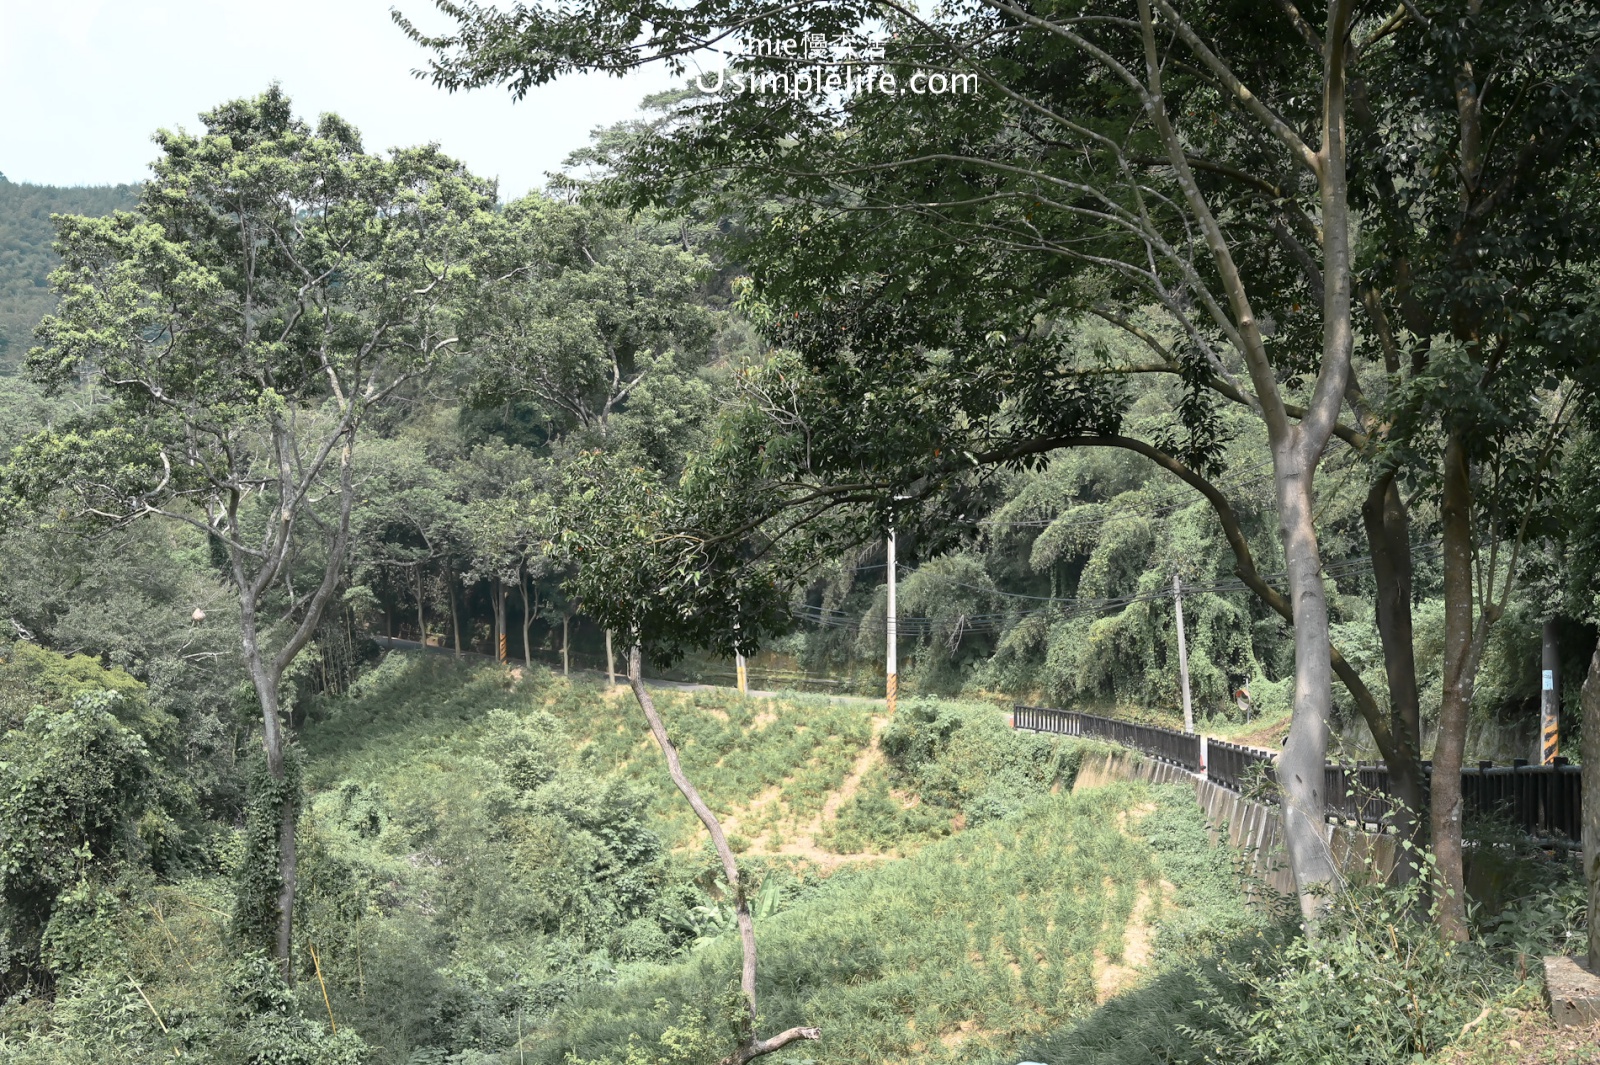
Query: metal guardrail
1546,801
1179,748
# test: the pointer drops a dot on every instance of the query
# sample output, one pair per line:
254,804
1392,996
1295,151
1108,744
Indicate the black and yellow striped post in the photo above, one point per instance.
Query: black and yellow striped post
1549,696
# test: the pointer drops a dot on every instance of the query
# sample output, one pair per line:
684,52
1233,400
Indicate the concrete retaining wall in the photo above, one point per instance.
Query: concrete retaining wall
1252,829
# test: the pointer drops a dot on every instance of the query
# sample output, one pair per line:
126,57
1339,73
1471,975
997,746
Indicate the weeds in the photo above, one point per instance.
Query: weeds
968,950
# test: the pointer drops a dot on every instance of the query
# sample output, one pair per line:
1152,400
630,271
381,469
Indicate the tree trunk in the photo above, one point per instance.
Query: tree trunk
1300,765
1389,543
749,1046
1455,514
455,616
566,620
287,873
422,621
1296,448
500,638
528,604
1549,694
1591,797
1296,453
273,741
611,662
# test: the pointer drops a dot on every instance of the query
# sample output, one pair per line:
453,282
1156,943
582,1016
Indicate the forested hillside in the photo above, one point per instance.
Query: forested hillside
25,256
1039,589
389,573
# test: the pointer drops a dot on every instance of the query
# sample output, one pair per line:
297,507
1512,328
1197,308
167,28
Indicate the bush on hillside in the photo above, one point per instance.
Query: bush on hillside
965,758
73,784
949,765
1375,986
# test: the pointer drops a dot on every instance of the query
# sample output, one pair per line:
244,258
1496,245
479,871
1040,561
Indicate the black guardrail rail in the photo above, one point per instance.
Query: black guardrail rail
1546,801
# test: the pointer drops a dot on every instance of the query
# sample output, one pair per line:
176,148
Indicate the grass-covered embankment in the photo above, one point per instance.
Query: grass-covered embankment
974,949
495,867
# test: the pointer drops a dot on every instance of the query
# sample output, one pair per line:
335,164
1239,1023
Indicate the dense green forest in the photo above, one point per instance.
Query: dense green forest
375,554
25,256
1020,597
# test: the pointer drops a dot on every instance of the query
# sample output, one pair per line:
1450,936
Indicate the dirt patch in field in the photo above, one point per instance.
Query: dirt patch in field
801,842
1127,818
864,763
1112,978
732,823
967,1029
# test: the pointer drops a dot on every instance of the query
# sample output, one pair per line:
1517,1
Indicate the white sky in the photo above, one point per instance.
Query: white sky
84,83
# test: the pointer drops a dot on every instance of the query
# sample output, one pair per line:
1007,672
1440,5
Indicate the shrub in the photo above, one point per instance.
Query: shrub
965,758
72,786
1375,985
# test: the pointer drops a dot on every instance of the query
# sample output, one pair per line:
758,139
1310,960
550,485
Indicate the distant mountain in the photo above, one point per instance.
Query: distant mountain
25,256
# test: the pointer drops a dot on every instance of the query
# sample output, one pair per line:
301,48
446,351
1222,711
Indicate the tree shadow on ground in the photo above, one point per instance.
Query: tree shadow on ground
1161,1022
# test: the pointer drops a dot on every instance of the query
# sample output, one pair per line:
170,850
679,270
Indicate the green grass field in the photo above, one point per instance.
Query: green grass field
972,950
495,868
419,716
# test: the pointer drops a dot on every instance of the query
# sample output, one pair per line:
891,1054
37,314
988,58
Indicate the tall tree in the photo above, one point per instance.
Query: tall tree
1477,136
591,308
674,570
275,286
1119,203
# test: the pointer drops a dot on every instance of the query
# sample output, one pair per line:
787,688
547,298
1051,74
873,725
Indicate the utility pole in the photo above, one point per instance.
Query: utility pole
892,662
1183,655
1550,695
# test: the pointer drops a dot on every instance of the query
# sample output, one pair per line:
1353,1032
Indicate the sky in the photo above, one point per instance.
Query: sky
84,83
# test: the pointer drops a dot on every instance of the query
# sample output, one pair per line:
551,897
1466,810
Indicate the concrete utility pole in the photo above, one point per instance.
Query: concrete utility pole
1183,655
1550,695
892,662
